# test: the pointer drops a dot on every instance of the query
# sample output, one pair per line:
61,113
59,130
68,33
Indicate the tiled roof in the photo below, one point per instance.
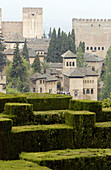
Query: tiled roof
69,54
15,37
92,58
80,72
48,77
56,65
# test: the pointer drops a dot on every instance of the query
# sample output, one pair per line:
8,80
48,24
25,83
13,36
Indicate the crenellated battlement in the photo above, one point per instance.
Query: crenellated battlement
91,20
37,10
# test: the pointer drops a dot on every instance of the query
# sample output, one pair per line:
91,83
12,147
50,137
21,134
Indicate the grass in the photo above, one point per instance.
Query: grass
20,165
64,154
18,129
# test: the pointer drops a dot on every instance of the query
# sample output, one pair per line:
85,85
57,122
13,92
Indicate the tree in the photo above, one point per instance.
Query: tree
36,64
50,33
73,48
107,75
25,52
44,66
2,55
44,35
82,44
80,59
17,75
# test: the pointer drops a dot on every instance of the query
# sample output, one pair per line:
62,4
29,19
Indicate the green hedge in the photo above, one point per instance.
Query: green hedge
105,116
42,104
102,135
83,125
79,159
5,124
4,100
92,106
49,117
36,138
24,112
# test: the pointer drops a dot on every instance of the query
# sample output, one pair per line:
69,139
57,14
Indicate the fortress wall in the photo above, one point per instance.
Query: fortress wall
32,22
8,28
95,33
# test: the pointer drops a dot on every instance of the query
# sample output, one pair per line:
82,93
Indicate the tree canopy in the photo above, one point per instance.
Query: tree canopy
60,43
2,55
25,53
36,64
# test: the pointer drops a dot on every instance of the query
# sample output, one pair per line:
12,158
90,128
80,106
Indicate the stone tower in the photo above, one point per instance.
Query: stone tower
32,22
96,33
69,60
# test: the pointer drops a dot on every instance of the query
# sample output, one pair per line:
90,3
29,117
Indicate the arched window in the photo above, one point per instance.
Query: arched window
73,63
91,48
87,48
70,63
66,63
98,48
87,91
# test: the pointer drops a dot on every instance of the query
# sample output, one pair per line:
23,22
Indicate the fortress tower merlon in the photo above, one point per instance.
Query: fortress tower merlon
32,22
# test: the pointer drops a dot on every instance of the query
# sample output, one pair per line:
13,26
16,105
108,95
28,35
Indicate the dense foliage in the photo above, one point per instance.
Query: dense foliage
60,42
2,55
25,53
36,64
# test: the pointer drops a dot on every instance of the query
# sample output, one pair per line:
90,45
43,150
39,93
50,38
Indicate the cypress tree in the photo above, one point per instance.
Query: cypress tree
18,72
36,64
2,55
25,52
80,59
73,41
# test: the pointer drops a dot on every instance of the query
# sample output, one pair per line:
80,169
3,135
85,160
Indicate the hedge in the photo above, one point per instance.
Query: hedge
20,164
79,159
5,124
4,100
24,112
49,117
102,135
42,104
92,106
83,124
36,138
105,116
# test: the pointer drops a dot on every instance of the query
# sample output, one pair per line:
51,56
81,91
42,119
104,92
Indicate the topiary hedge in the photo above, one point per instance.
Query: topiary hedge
42,104
24,112
92,106
36,138
4,100
49,117
83,124
79,159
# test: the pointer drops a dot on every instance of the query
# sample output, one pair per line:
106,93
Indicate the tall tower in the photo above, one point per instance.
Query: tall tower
32,22
0,19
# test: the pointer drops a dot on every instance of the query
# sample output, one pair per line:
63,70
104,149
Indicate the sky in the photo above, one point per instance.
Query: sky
57,13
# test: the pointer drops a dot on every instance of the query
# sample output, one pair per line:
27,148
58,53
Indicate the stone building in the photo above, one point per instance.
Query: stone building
30,27
43,83
80,82
95,33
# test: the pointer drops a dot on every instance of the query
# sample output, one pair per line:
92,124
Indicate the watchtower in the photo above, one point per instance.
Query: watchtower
32,22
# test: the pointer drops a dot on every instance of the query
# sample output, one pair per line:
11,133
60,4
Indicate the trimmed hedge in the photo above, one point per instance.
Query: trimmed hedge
4,100
106,115
79,159
49,117
92,106
83,125
24,112
5,124
102,135
36,138
42,104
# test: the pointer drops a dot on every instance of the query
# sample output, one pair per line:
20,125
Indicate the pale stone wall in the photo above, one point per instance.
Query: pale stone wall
9,57
51,87
68,60
97,66
32,22
66,84
13,45
95,34
8,28
76,84
2,82
40,85
90,82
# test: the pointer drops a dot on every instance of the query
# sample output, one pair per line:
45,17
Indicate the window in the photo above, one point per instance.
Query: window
40,81
70,63
92,81
95,48
92,91
41,52
98,48
75,93
102,48
87,81
87,91
73,63
50,90
32,14
40,90
83,91
87,48
1,77
66,63
33,89
91,48
43,81
93,68
99,25
91,25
